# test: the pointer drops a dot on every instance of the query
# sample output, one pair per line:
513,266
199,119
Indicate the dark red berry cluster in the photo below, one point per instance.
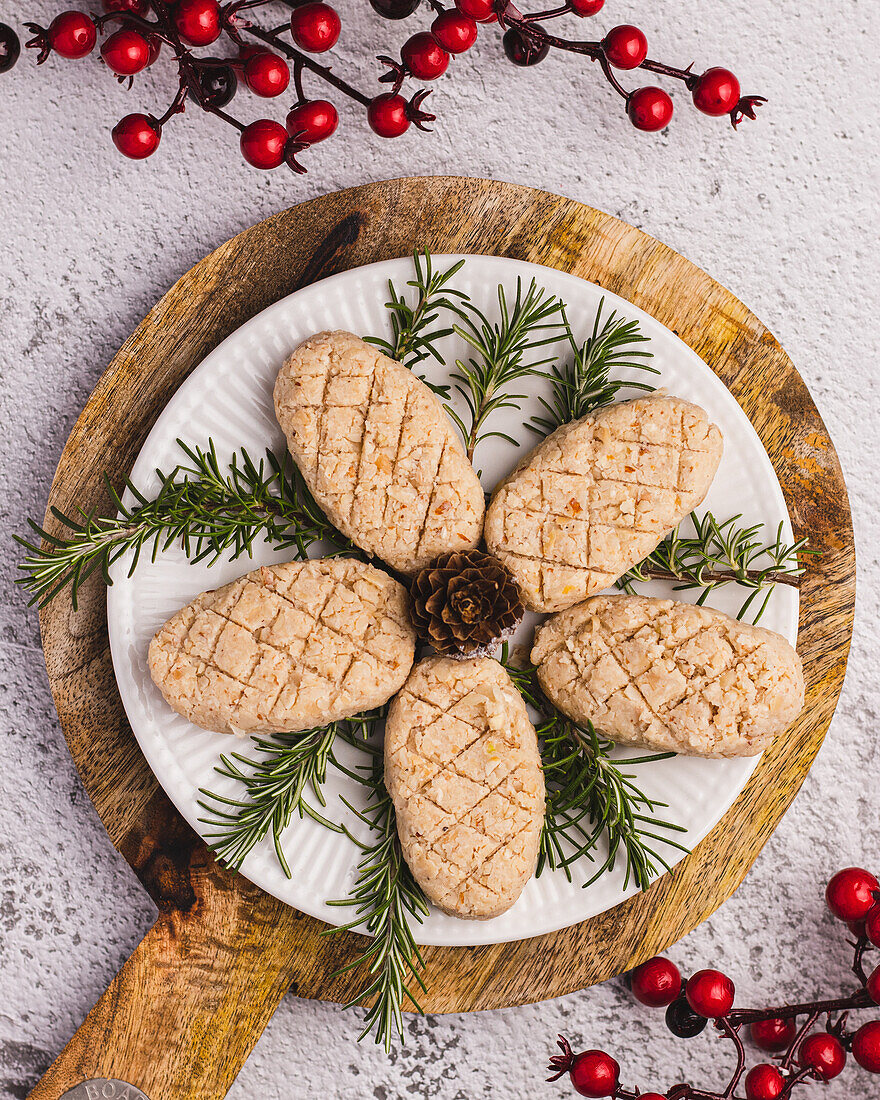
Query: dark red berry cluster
267,61
803,1051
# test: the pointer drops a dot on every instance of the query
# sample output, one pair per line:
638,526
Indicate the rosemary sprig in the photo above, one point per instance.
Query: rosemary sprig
723,553
502,355
591,797
277,786
583,382
385,898
413,339
292,766
208,511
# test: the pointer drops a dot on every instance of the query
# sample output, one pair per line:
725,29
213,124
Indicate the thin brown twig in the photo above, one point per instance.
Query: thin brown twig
860,999
723,575
306,62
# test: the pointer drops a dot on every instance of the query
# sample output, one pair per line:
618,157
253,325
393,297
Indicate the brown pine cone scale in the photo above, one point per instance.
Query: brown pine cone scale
464,601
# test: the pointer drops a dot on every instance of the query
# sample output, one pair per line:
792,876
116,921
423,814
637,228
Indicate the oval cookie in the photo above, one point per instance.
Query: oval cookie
378,452
462,766
598,495
669,675
286,648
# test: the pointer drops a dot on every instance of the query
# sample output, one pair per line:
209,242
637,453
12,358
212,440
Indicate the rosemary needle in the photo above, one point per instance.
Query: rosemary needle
385,897
413,337
276,786
591,796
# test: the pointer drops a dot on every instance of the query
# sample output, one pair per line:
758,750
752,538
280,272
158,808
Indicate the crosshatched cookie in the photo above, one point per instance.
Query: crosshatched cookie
286,648
669,675
462,766
598,495
378,452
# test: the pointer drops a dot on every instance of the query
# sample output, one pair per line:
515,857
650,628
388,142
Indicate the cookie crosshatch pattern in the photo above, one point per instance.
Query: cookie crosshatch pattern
378,452
463,768
594,499
670,676
286,648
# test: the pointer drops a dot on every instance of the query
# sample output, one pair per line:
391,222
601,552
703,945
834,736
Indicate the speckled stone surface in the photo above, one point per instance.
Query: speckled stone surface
784,213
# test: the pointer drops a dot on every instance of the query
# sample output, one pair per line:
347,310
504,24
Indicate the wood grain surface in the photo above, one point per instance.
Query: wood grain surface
183,1013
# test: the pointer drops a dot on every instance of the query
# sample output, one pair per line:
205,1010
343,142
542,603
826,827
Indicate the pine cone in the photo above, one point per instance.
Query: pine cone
464,601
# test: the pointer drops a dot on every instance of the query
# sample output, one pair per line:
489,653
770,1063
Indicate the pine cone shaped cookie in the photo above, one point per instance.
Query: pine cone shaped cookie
464,601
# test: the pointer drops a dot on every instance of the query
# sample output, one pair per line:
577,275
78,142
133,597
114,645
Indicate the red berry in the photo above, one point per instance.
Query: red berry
625,46
850,893
263,142
198,21
594,1073
657,982
313,121
126,52
716,92
649,109
72,34
764,1082
873,985
455,32
710,993
315,27
387,115
586,7
136,136
136,7
872,925
266,74
424,57
823,1053
481,10
155,44
866,1046
773,1035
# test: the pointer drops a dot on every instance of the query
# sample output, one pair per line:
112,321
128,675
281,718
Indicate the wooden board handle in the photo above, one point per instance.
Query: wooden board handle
183,1013
181,1016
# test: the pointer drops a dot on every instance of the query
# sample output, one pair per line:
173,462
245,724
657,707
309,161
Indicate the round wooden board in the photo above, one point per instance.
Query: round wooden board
180,1018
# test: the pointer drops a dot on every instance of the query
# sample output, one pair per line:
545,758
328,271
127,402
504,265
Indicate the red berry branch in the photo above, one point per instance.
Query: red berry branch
803,1052
266,59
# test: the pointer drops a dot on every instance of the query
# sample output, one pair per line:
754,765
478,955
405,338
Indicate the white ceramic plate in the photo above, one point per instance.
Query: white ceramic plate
229,398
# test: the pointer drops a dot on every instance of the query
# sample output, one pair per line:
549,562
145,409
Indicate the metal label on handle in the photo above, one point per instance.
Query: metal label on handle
104,1088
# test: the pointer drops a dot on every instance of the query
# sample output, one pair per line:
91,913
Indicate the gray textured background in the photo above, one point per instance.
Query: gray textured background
784,213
